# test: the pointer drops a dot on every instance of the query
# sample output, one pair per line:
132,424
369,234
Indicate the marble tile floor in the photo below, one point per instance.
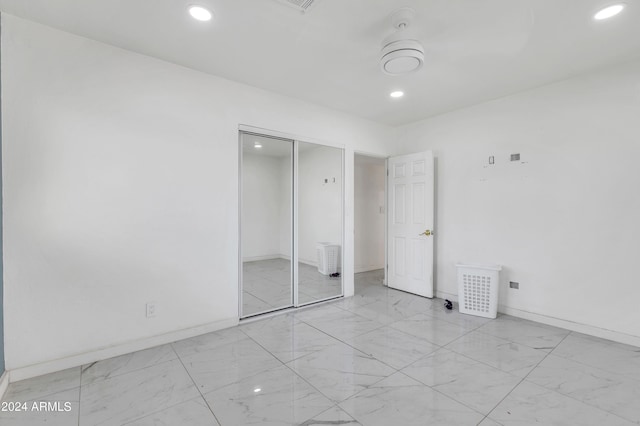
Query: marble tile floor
267,285
382,357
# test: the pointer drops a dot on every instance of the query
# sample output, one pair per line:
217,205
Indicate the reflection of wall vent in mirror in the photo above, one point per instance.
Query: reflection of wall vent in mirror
301,5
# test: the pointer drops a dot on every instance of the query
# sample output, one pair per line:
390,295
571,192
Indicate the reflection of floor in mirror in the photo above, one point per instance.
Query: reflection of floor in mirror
267,285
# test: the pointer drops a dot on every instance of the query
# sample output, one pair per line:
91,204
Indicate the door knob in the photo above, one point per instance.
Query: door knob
428,232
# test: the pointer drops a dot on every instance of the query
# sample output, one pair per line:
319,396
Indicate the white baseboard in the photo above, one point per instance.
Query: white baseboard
35,370
265,257
4,384
591,330
360,269
308,262
444,295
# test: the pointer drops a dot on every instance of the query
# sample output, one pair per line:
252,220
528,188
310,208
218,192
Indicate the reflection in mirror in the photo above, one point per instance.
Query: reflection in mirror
319,222
267,183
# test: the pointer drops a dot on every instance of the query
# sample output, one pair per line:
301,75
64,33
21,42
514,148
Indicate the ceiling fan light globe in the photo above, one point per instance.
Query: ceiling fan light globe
402,57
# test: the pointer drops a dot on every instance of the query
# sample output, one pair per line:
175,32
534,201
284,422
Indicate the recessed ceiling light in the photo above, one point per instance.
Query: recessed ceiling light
257,145
609,12
397,94
256,390
200,13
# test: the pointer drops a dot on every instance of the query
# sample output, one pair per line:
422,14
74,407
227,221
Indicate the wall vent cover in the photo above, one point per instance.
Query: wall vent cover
301,5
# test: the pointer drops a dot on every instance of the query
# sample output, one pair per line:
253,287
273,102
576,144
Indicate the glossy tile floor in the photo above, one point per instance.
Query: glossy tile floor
382,357
267,285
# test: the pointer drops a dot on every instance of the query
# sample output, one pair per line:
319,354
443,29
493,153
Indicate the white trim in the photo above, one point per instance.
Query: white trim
294,223
240,266
385,280
443,295
288,136
308,262
4,384
360,269
266,257
116,350
590,330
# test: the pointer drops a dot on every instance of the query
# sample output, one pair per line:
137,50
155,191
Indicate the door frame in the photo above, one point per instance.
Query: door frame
296,139
386,207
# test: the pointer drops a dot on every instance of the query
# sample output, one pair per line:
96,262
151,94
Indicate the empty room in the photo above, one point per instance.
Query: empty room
319,212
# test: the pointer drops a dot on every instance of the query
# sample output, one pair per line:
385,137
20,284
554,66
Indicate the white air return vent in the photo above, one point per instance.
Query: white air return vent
301,5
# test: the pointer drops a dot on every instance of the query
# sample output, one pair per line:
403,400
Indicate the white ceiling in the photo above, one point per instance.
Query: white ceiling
476,50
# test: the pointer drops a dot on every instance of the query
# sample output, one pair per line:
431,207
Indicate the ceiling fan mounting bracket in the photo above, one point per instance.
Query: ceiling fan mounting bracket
402,18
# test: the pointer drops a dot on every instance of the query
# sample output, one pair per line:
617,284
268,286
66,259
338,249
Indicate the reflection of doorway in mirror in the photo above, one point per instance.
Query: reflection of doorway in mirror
320,222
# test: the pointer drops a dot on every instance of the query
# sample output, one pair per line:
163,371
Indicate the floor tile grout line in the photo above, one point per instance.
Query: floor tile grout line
524,378
442,393
593,366
253,295
40,396
296,374
357,335
130,372
402,370
300,357
485,363
351,346
166,407
523,344
438,347
178,403
335,404
101,379
469,357
571,396
196,385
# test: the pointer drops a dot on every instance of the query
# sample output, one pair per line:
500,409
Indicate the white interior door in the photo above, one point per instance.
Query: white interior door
410,251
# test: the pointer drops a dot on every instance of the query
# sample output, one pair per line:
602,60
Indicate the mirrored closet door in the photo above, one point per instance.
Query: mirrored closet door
320,218
266,224
291,223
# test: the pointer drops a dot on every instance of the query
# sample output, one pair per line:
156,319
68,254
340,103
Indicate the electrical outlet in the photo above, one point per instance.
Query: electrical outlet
151,310
514,285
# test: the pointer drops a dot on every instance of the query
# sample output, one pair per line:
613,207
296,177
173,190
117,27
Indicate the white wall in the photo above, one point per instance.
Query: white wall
564,222
264,196
319,203
120,187
369,180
